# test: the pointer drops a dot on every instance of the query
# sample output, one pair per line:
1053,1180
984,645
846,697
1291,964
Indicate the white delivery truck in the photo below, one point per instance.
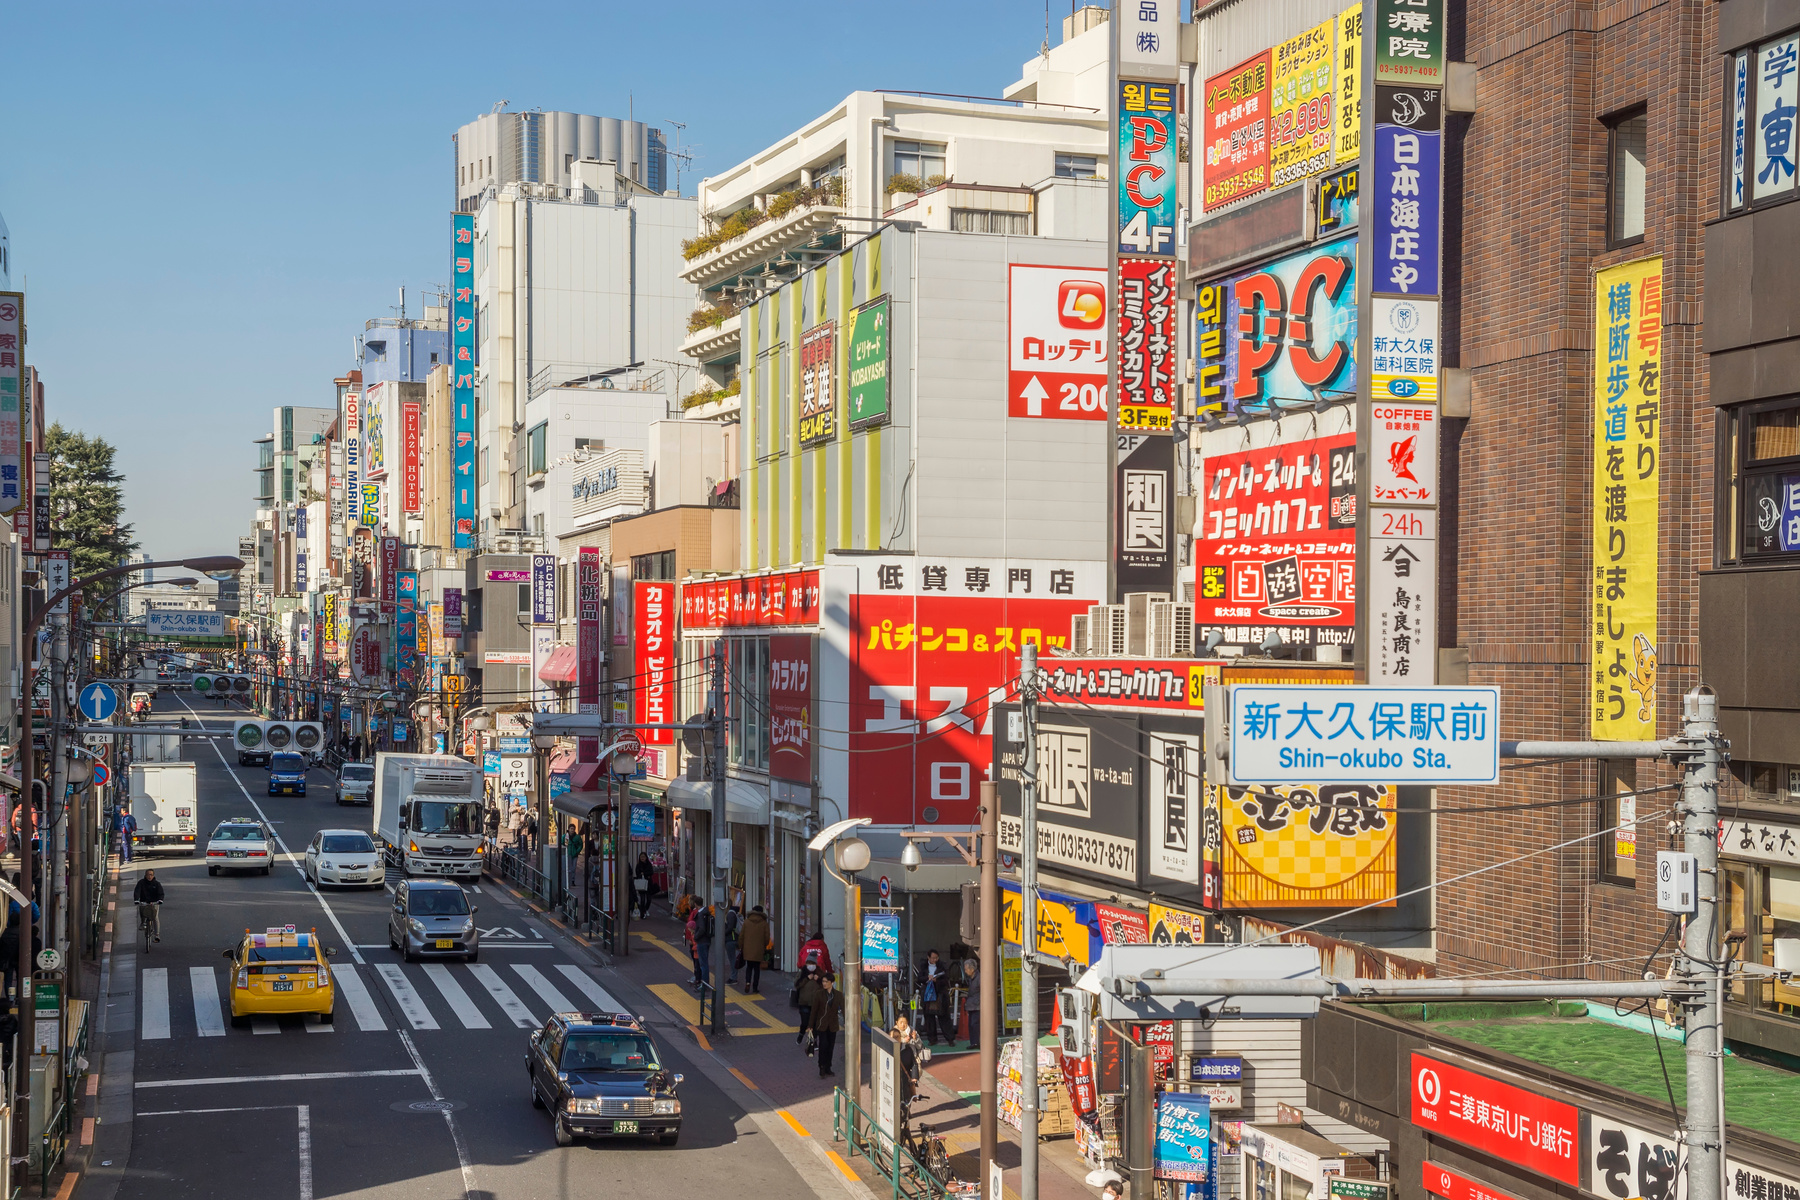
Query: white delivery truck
163,802
428,814
155,747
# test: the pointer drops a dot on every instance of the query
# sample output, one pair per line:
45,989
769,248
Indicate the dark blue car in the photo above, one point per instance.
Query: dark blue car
287,774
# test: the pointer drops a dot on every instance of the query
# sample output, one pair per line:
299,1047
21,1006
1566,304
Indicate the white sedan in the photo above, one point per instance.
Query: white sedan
344,856
238,844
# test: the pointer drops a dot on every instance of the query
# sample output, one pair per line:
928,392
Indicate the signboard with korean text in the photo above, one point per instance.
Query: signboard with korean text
1087,793
1296,734
1065,925
1275,549
1315,846
653,662
412,496
543,589
929,647
1347,116
868,351
1146,344
1402,596
735,601
1144,541
1288,329
1409,41
13,433
1302,71
790,707
1147,151
1234,134
1183,1136
462,371
818,384
1172,685
587,645
1057,338
1403,351
1172,840
1627,492
1407,194
1510,1123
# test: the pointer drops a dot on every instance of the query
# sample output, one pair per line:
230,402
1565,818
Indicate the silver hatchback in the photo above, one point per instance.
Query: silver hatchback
432,918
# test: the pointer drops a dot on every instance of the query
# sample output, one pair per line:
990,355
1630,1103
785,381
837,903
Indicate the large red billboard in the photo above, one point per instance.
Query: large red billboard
653,660
1275,550
932,643
790,706
1510,1123
778,598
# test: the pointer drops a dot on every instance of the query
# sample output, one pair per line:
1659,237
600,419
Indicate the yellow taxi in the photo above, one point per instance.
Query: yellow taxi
280,970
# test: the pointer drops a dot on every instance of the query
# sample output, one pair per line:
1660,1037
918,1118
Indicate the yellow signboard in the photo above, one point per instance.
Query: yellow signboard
1347,120
1627,490
1307,847
1301,125
1175,926
1059,933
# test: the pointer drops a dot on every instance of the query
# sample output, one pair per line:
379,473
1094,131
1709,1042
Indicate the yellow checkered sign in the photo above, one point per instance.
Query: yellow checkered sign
1307,847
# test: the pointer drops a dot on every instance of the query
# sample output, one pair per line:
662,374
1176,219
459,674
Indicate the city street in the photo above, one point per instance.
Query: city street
420,1080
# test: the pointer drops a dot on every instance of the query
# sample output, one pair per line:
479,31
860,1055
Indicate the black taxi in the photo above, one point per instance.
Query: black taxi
600,1075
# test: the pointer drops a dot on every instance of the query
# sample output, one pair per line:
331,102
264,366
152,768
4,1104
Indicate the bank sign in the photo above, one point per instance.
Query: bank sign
1430,736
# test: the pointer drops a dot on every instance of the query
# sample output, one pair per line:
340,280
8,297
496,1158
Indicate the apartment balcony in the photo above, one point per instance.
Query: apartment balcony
809,228
715,343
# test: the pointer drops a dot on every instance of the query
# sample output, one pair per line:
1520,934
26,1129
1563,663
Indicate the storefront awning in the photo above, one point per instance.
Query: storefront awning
585,777
562,759
745,803
559,667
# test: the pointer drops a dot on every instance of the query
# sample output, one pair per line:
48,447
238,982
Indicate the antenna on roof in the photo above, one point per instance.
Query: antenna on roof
499,106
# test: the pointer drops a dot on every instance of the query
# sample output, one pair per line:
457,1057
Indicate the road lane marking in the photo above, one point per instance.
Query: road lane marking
462,1151
412,1005
306,1171
295,1078
455,997
314,1025
593,991
154,984
362,1005
544,988
207,1014
509,1002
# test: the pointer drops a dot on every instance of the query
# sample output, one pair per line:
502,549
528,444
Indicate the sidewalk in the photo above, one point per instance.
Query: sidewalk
760,1050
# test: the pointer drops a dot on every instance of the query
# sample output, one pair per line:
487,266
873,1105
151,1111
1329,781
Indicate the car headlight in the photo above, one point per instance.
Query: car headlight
667,1108
328,866
585,1106
416,925
469,925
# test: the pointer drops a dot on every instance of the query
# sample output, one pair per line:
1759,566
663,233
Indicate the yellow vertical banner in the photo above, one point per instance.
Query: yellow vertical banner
1347,120
1627,492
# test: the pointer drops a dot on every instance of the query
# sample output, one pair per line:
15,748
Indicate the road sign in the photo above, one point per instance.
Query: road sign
96,739
887,889
98,702
1431,736
101,774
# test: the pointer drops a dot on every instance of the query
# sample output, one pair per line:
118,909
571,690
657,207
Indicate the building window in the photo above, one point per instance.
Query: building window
981,220
1077,166
1763,905
590,444
1618,812
747,686
1759,512
1625,177
660,565
537,443
921,159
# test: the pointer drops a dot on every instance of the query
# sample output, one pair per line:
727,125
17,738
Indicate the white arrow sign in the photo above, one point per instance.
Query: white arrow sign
1034,396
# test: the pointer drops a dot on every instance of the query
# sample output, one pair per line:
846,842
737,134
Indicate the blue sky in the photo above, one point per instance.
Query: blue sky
207,201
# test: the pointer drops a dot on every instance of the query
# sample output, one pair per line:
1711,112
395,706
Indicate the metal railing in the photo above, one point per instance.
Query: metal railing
53,1146
888,1153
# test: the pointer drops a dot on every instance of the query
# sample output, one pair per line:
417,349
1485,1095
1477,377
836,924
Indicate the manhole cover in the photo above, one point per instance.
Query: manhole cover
428,1106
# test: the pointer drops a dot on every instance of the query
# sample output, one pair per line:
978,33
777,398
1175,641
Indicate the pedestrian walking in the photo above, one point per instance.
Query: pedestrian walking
703,940
642,883
515,821
934,986
806,996
753,944
972,1005
734,921
827,1022
815,953
693,917
127,826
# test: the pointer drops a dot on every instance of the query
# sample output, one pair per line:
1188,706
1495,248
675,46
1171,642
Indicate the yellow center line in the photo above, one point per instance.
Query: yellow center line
796,1126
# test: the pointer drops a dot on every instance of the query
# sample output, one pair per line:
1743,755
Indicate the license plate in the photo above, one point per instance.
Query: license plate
445,944
236,853
625,1127
284,987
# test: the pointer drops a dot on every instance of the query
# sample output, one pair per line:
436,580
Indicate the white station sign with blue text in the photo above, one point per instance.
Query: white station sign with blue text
1292,733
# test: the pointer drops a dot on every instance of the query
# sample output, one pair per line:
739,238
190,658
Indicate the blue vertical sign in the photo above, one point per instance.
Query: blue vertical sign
406,624
1147,148
1408,201
462,369
1183,1136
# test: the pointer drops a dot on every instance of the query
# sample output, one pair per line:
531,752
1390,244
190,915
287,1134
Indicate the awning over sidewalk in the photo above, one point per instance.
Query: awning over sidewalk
745,803
585,777
559,667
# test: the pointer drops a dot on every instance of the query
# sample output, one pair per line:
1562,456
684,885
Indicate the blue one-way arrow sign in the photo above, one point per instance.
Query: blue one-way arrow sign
98,701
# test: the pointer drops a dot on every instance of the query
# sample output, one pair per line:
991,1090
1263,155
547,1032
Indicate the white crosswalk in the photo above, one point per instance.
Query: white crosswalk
424,997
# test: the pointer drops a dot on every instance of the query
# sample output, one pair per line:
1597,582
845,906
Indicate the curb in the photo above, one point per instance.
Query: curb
113,1114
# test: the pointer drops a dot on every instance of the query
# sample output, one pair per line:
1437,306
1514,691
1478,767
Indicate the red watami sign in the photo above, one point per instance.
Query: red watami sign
1510,1123
1442,1181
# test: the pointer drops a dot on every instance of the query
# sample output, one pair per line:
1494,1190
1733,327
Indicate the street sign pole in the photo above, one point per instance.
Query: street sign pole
1028,971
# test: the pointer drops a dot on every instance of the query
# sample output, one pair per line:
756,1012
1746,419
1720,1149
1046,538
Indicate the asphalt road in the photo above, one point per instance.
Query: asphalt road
363,1110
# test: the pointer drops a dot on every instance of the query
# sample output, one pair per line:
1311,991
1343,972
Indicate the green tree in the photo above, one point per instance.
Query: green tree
87,503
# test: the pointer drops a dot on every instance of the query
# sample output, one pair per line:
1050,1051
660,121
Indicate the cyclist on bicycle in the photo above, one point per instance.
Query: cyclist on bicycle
148,896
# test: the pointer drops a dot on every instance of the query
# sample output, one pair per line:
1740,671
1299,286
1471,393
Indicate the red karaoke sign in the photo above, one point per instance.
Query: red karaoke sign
1497,1118
653,627
1442,1181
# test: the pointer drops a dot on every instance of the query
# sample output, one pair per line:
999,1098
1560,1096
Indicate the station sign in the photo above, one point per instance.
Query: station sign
1429,736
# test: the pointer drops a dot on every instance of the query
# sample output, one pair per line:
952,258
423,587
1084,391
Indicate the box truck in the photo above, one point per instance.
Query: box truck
428,814
163,801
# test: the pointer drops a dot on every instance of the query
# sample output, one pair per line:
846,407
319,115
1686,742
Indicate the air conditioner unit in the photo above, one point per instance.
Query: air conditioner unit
1137,620
1078,634
1106,629
1171,630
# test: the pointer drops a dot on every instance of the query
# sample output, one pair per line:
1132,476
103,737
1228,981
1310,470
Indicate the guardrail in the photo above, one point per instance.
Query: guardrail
887,1153
54,1144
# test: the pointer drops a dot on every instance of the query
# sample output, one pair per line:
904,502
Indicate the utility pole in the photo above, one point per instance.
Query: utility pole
1700,947
721,855
989,982
1028,971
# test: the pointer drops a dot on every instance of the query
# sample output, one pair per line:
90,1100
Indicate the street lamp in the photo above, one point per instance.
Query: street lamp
852,856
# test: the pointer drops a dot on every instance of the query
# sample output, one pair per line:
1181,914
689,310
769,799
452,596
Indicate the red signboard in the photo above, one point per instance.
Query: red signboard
1123,926
1146,344
1078,1078
1512,1124
365,655
1173,685
653,634
1442,1181
410,498
790,707
1160,1037
587,645
782,598
1234,133
1276,548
